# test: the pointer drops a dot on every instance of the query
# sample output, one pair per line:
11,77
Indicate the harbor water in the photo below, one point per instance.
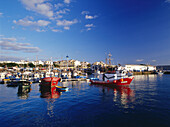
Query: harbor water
145,103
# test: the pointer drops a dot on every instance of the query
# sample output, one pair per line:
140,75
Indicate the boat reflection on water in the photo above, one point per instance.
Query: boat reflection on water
49,92
123,95
23,91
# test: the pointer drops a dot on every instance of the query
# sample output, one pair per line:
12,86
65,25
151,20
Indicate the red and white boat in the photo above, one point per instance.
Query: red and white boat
112,80
50,81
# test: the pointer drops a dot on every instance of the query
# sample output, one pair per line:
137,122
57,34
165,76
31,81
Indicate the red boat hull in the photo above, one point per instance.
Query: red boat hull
50,81
117,82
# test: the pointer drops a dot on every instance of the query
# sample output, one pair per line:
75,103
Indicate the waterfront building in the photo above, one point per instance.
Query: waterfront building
48,63
151,68
139,68
72,64
39,62
22,62
36,75
84,65
16,68
3,75
97,66
101,63
121,68
163,67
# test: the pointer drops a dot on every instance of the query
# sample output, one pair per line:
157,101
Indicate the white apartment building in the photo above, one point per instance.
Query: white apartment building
48,63
70,63
99,63
130,67
84,64
22,62
39,62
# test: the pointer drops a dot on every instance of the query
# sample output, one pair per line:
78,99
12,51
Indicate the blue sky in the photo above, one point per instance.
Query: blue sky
133,31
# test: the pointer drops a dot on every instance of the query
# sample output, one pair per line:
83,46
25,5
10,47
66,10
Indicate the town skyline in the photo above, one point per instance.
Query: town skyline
134,32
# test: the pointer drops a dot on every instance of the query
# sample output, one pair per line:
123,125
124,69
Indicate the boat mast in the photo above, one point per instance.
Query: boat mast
106,58
50,67
67,61
110,55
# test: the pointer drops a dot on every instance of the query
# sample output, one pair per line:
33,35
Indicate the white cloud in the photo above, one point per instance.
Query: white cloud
1,13
11,44
27,22
40,30
90,17
42,23
64,11
9,39
66,22
59,17
153,60
139,60
66,28
39,6
84,12
9,52
56,30
57,6
88,29
67,1
168,1
89,25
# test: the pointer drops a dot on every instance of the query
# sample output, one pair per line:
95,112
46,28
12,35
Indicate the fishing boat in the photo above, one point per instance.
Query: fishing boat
122,81
12,84
160,73
19,83
112,79
50,81
61,88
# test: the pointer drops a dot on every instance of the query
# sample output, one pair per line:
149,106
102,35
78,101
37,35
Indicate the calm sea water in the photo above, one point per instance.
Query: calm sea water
146,103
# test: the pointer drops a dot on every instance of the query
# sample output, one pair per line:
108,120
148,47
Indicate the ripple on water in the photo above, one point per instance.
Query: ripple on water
144,103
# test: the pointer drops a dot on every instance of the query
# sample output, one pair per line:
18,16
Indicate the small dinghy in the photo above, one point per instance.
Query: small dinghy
61,88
